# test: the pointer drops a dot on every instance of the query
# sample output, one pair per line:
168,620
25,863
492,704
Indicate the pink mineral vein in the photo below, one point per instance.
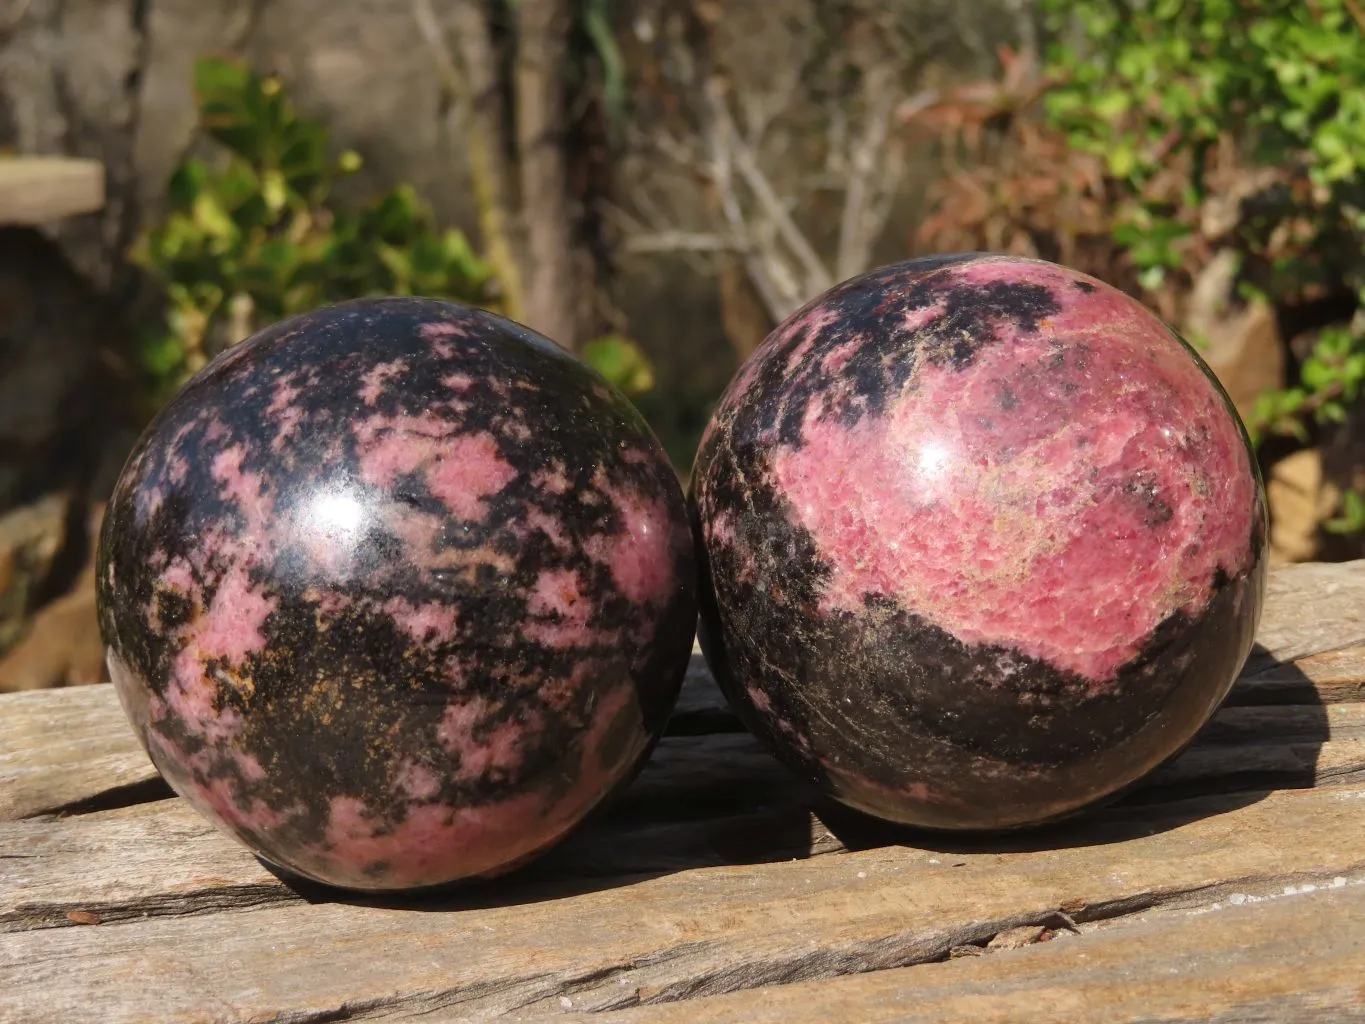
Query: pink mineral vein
560,611
435,841
461,470
641,555
1031,526
374,381
424,622
469,470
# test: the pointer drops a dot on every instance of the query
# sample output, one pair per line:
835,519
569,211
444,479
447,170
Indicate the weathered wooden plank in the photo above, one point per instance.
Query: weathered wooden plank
1277,960
59,748
702,801
1224,769
169,890
1334,677
162,859
1311,609
1259,724
697,806
37,189
513,948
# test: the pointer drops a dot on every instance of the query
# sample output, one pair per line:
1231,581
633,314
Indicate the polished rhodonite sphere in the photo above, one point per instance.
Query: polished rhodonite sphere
983,542
396,592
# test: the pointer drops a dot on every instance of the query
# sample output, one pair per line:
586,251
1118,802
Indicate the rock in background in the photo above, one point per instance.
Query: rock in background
63,433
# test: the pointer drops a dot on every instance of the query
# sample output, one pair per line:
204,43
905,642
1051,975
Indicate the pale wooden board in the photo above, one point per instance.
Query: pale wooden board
67,750
61,747
1312,609
1272,960
614,943
73,749
1333,677
701,802
38,189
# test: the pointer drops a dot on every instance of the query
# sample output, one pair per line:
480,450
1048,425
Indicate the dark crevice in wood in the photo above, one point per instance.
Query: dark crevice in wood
596,991
707,722
32,916
1285,685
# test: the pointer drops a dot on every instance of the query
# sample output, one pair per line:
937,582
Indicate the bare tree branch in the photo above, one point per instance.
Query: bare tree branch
760,109
475,76
683,241
773,145
542,52
773,207
859,227
653,224
721,178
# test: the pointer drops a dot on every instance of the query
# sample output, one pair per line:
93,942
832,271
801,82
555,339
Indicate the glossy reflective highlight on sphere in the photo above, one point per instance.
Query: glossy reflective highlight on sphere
396,592
999,530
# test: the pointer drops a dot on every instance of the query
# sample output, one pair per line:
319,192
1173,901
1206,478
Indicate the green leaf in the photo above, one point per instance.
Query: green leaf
161,353
1316,374
259,225
1152,278
210,218
274,191
1352,515
214,77
621,362
399,263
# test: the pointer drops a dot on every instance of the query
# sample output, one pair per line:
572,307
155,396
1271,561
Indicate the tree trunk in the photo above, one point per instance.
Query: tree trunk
743,316
486,145
551,297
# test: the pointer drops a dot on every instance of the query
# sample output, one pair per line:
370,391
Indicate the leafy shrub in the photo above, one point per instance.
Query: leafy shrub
257,236
1171,92
1158,134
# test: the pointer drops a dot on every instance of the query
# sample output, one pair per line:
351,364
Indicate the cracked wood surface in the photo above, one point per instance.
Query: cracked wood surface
712,890
1268,960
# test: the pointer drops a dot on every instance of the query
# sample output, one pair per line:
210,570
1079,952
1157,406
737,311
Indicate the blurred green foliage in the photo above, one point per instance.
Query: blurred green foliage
1156,85
257,236
621,362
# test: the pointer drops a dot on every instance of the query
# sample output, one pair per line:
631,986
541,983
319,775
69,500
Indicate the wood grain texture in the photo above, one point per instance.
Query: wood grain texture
36,189
514,948
1270,960
1312,609
72,749
715,873
61,748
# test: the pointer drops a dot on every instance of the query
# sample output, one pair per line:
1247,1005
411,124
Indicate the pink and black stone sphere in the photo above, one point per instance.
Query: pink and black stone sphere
983,542
396,592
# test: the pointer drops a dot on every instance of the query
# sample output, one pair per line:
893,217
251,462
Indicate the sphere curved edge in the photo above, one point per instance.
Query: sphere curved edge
982,542
396,593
